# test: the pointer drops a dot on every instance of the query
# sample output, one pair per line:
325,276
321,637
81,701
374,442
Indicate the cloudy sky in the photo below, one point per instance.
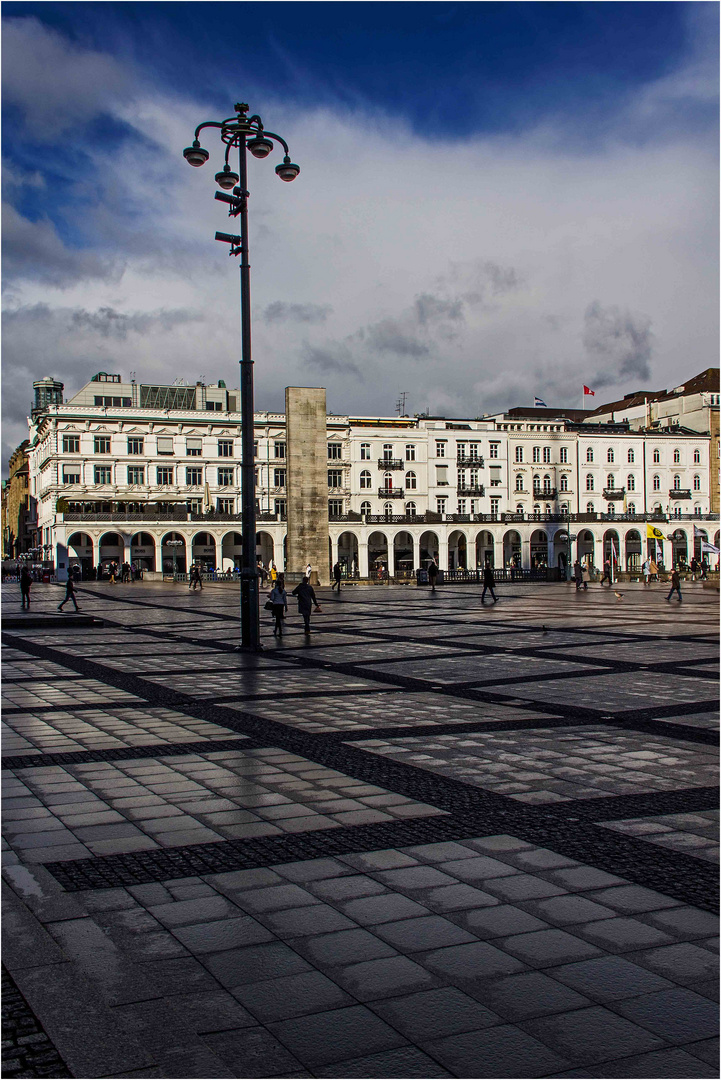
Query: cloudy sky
496,200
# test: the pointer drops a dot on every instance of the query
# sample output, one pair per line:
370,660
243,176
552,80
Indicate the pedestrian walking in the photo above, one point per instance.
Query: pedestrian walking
69,594
195,578
433,574
308,571
336,577
704,569
279,599
653,570
675,586
112,570
578,574
306,600
606,573
273,574
25,583
488,583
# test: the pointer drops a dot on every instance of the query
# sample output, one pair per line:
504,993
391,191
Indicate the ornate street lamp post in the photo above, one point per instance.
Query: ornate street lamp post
246,133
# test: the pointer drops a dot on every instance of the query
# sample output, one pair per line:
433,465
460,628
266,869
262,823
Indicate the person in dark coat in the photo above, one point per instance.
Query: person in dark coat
433,574
25,583
69,594
578,575
488,583
336,577
606,573
675,586
306,600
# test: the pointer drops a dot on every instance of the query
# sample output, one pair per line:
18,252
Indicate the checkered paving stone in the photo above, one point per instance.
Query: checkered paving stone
315,901
552,765
63,730
697,834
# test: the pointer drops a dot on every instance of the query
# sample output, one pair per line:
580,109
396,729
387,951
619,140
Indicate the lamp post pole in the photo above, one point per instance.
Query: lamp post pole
245,133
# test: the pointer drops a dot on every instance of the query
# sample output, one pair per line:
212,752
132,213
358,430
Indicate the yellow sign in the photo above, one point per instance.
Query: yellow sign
653,533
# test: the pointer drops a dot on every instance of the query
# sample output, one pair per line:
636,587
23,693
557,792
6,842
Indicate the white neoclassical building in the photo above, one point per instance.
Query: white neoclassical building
150,474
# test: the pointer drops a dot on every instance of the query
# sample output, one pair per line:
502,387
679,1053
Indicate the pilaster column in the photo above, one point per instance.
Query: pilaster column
443,549
416,552
391,558
498,552
363,558
525,553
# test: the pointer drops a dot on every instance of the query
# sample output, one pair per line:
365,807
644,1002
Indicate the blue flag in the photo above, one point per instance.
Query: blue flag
538,404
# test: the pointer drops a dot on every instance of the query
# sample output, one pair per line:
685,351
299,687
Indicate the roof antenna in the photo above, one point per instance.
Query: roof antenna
401,403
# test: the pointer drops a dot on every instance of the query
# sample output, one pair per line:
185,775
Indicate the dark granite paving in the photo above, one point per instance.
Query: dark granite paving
431,839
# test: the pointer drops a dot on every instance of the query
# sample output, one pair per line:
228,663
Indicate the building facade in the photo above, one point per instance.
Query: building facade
18,506
152,476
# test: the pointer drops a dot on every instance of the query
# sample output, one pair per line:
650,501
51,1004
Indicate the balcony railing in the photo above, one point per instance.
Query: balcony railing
614,493
545,493
477,490
391,493
680,493
390,463
464,462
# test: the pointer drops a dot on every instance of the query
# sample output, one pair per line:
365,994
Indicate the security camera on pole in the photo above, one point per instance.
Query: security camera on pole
246,133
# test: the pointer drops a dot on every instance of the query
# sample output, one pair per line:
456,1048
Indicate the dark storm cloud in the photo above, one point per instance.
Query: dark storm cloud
432,309
393,336
279,312
481,281
618,344
330,358
118,324
33,251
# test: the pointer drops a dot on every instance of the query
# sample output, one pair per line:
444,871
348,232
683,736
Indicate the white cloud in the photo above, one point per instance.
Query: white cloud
460,271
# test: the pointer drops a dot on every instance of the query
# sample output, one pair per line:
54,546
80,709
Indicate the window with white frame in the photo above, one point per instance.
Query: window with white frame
365,451
136,445
387,451
103,474
631,482
632,508
519,482
164,475
225,448
442,475
193,446
656,482
165,444
71,444
563,455
493,451
473,451
631,457
546,483
335,478
410,452
697,483
441,506
388,481
279,478
365,508
71,474
590,509
225,476
495,505
193,476
589,481
610,481
697,457
335,451
101,444
411,480
609,456
335,508
279,449
365,479
677,457
547,455
226,506
536,454
677,483
440,448
519,453
697,510
589,454
411,509
564,483
657,457
462,506
136,474
536,484
388,509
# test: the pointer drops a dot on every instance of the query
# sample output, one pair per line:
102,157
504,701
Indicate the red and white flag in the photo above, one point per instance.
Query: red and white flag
586,390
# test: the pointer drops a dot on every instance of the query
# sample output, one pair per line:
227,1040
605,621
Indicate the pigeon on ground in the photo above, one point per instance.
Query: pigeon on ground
618,595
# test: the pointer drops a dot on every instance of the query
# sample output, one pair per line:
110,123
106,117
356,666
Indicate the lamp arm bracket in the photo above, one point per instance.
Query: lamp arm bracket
208,123
272,135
